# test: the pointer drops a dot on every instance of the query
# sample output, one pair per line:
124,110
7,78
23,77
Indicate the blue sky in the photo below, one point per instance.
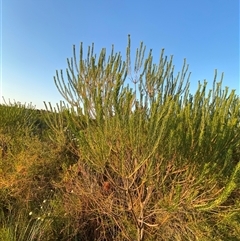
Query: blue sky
37,38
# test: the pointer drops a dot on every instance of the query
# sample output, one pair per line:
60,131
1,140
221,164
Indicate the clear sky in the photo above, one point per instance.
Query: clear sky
37,38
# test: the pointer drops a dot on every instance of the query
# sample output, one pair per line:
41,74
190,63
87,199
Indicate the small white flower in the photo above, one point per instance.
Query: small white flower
44,201
30,213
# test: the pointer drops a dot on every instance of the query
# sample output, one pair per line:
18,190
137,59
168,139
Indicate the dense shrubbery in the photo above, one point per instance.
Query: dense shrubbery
152,162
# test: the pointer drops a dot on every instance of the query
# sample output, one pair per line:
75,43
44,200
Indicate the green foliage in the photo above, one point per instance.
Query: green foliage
16,118
133,155
164,151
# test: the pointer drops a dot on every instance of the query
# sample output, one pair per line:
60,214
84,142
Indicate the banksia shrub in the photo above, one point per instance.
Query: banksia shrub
155,162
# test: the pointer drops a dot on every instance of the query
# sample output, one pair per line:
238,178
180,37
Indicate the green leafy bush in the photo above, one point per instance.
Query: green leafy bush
167,159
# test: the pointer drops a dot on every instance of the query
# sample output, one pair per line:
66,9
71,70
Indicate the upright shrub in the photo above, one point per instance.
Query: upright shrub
152,161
